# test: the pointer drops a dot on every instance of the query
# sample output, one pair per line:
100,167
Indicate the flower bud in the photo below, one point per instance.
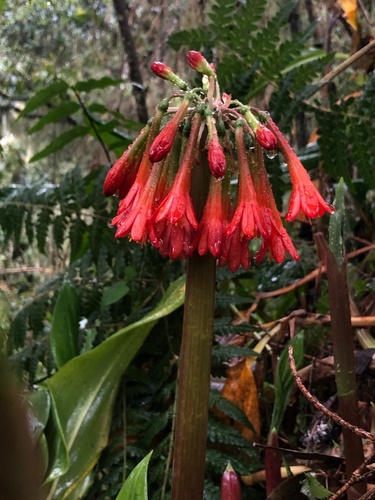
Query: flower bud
230,485
198,62
216,158
165,72
164,141
265,137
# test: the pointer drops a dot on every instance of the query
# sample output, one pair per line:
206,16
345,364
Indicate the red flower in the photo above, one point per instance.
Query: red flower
198,62
305,198
136,220
210,231
247,213
164,141
276,240
174,220
122,174
235,248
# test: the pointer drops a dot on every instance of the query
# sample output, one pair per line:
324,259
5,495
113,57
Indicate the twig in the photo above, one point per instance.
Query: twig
93,125
355,477
334,416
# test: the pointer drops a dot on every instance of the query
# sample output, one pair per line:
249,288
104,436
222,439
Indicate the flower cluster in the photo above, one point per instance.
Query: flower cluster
192,129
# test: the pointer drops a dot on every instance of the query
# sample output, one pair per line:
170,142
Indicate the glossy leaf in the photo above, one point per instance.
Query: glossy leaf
43,96
82,395
61,141
65,325
55,115
284,379
135,486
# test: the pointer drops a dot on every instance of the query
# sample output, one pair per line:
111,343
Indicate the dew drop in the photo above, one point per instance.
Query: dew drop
271,153
332,208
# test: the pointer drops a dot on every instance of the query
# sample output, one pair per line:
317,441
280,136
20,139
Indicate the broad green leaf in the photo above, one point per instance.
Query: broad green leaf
2,5
40,402
114,293
336,224
61,141
284,380
135,486
55,115
43,96
82,396
65,325
313,489
101,83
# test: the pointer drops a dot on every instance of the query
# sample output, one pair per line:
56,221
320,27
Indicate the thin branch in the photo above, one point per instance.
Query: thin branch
93,125
334,416
355,477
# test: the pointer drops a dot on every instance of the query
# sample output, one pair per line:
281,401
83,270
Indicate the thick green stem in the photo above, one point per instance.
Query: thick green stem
343,352
194,380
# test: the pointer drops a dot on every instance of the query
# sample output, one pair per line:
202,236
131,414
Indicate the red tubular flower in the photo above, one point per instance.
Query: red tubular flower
198,62
131,199
210,231
247,213
174,220
235,248
277,240
135,222
122,174
230,485
305,198
164,141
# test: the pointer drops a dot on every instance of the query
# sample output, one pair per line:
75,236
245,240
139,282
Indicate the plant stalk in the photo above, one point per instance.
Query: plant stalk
193,385
343,352
194,380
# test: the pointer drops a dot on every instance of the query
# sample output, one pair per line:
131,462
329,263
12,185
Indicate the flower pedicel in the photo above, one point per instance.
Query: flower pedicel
153,177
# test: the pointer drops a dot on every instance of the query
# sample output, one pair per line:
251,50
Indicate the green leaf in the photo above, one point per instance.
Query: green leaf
135,487
114,293
284,380
101,83
82,395
336,224
61,141
65,325
313,489
65,109
41,405
43,96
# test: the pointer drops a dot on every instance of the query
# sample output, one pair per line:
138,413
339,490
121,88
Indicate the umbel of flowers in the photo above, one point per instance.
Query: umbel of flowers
154,175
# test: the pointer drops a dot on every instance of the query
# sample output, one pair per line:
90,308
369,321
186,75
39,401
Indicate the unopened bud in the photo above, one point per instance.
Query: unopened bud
198,62
265,137
230,485
165,72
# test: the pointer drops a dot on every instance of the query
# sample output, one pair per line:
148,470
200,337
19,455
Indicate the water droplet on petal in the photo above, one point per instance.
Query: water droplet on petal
271,153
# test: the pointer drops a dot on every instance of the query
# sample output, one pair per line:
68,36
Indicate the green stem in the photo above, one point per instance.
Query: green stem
194,380
343,352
